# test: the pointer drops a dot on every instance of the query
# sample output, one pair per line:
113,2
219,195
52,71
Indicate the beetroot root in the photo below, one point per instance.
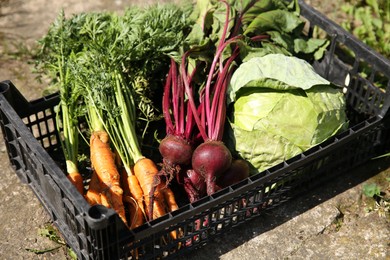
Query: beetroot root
238,171
176,153
211,159
194,185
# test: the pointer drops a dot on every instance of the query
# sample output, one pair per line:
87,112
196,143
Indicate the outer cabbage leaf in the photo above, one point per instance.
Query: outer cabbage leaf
331,117
262,149
293,72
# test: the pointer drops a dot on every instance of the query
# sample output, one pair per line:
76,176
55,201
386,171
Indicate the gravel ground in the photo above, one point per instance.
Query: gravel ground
328,223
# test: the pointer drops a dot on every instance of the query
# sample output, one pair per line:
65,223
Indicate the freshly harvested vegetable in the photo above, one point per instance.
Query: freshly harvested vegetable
177,147
103,163
212,107
133,198
238,171
282,107
102,156
94,190
77,180
146,172
211,160
194,185
118,113
68,112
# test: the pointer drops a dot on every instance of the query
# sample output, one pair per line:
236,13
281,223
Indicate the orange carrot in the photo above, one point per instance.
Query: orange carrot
170,200
136,216
77,180
146,172
159,208
167,197
93,193
104,200
132,195
136,191
103,162
172,206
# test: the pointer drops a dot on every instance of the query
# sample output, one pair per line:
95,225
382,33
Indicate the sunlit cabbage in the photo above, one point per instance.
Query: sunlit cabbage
282,107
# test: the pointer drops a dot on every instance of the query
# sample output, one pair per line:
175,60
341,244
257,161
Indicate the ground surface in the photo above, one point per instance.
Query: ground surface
333,221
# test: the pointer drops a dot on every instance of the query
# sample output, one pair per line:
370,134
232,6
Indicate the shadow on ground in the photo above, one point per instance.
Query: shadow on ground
274,218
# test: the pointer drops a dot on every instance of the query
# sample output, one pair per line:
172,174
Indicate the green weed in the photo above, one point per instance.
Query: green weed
52,234
380,198
369,21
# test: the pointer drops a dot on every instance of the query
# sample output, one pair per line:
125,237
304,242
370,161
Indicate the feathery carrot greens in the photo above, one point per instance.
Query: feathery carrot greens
117,63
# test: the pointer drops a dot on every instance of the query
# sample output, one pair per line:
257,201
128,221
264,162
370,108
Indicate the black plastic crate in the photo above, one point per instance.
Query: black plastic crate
96,232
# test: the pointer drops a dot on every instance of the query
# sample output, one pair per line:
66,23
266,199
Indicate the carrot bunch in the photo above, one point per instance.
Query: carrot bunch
123,178
108,69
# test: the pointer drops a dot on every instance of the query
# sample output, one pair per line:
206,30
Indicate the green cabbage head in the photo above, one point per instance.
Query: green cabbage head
281,108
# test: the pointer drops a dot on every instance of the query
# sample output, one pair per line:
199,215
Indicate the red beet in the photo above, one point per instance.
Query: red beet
196,180
194,185
176,153
238,171
211,159
175,150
